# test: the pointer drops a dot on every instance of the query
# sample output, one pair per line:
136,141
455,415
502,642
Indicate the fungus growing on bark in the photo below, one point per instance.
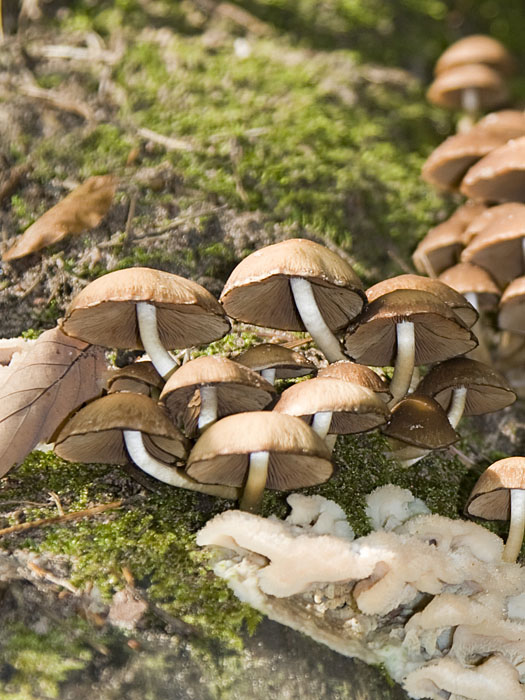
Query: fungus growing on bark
143,308
296,285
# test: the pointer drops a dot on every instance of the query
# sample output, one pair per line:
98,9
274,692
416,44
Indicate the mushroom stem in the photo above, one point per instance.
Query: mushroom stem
405,358
256,481
169,475
457,405
269,375
149,335
330,441
470,100
209,406
517,525
321,423
304,299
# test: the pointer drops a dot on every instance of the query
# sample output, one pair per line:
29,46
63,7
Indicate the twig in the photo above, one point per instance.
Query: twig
169,142
56,500
76,515
43,573
131,214
176,222
62,102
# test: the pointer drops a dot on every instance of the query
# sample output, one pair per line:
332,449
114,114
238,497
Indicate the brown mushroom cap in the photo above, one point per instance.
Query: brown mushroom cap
420,421
490,497
103,313
258,290
487,389
95,433
298,456
511,315
285,361
498,247
439,332
238,389
348,371
448,163
476,48
448,86
510,122
445,293
467,278
355,408
499,176
139,378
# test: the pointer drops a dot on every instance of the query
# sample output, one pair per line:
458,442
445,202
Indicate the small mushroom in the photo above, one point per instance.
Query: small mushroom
348,371
258,450
274,361
499,494
476,48
149,309
211,387
499,176
511,307
296,285
139,378
120,426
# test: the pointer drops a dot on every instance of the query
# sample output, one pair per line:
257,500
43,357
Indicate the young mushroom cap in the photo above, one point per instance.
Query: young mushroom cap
287,363
439,332
420,421
511,315
448,87
298,457
348,371
444,292
354,408
104,312
139,378
499,176
469,279
487,389
237,388
476,48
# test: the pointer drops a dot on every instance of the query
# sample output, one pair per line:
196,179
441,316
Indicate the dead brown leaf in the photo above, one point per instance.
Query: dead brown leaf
82,209
53,378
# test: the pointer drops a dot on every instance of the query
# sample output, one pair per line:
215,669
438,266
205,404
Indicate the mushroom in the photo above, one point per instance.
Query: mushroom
499,247
139,378
417,426
296,285
148,309
348,371
407,327
476,48
511,317
499,176
463,386
124,425
499,494
333,406
260,449
211,387
275,362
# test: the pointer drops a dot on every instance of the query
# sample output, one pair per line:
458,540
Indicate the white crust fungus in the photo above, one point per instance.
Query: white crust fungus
428,597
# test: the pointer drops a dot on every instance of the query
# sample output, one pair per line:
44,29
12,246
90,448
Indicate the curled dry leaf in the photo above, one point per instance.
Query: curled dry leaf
82,209
55,376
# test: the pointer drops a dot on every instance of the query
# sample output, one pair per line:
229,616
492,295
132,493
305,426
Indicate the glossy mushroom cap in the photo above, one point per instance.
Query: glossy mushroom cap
348,371
95,433
238,389
487,389
498,247
467,278
511,315
490,497
298,456
448,86
476,48
103,313
439,332
258,289
286,362
499,176
420,421
445,293
354,408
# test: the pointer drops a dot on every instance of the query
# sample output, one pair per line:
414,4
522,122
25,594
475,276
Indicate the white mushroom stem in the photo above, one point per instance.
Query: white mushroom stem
405,358
517,525
149,335
209,406
321,423
457,405
269,375
256,481
314,323
330,441
470,100
169,475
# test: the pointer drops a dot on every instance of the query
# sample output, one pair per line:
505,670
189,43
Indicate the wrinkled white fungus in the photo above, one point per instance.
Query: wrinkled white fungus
431,598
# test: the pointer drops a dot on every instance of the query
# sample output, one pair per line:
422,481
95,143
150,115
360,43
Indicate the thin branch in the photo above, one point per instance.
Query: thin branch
169,142
76,515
